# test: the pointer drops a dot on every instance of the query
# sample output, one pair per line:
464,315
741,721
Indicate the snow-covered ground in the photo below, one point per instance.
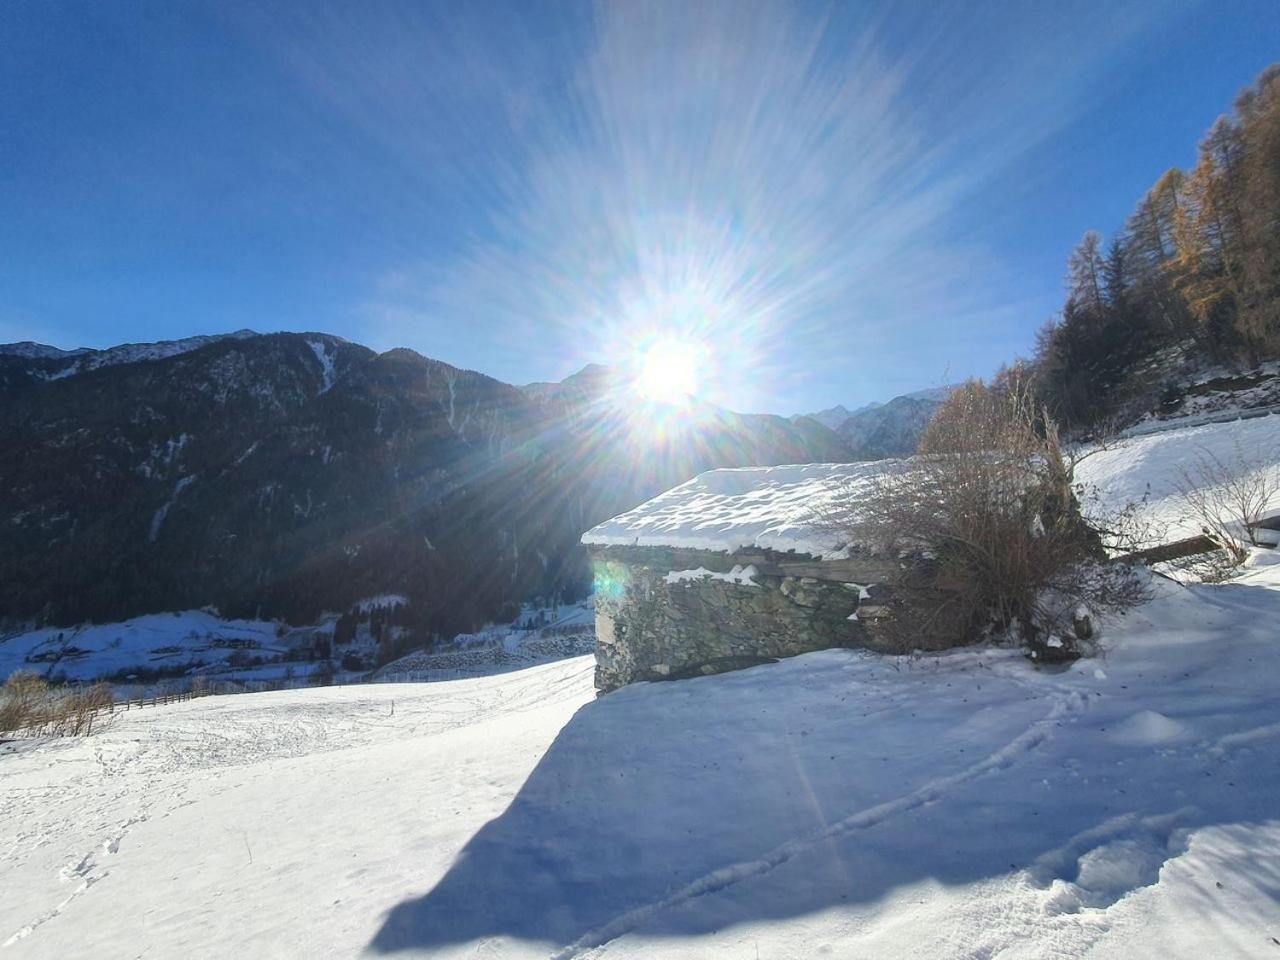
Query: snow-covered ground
1147,470
1215,394
838,804
538,635
160,642
167,649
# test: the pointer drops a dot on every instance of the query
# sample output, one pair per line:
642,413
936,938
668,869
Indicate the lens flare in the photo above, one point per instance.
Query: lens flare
668,371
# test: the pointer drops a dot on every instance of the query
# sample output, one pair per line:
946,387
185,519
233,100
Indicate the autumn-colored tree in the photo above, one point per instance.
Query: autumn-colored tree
1196,270
1259,209
1151,244
1207,234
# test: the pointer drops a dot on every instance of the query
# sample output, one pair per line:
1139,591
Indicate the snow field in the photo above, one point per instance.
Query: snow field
836,804
1145,470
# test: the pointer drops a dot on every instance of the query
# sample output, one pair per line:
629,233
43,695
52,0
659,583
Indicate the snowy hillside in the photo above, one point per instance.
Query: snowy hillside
1214,393
833,417
1146,469
282,475
160,643
837,804
172,649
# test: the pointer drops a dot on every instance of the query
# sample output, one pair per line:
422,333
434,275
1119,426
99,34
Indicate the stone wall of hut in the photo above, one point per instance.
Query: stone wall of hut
653,626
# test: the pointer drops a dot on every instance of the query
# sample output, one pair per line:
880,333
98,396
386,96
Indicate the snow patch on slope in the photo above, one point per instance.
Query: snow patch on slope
157,520
327,374
739,574
382,600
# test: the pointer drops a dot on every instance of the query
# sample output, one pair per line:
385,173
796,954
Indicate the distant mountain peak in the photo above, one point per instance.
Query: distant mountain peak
30,350
83,359
930,393
590,383
887,429
833,417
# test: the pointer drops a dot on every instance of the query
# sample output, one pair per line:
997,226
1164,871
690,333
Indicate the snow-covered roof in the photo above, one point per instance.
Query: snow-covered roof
773,508
777,508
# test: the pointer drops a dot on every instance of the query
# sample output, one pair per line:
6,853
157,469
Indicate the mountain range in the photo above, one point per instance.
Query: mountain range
289,474
879,430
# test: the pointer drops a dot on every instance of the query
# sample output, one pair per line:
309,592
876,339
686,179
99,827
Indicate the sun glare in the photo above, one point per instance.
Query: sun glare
668,371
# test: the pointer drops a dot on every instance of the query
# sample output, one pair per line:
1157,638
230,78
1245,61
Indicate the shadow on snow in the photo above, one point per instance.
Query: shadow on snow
834,779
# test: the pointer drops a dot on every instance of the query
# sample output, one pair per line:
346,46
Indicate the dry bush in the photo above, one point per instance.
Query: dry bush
987,524
13,715
73,712
28,705
26,683
1230,498
20,698
1129,530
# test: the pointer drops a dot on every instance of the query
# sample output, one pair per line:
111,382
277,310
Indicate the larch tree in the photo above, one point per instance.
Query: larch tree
1196,270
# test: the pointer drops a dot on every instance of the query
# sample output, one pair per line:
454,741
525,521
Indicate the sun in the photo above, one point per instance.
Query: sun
668,371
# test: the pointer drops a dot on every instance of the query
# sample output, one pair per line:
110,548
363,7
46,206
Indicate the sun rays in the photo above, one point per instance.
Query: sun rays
668,371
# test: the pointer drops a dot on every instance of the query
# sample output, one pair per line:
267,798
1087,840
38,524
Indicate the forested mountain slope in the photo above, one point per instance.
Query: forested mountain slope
283,475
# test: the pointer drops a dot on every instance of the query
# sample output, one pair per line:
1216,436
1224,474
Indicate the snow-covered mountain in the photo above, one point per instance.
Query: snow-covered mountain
66,363
30,350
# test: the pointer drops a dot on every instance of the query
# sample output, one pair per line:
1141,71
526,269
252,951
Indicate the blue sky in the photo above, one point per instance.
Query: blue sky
833,203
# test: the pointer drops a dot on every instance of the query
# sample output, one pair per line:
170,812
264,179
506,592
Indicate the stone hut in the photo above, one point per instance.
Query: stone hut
729,570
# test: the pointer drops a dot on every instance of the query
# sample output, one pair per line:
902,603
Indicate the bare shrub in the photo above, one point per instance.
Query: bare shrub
986,522
20,697
30,706
13,715
1230,497
26,683
1128,530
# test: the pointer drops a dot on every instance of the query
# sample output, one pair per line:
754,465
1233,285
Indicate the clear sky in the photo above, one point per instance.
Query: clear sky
827,203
